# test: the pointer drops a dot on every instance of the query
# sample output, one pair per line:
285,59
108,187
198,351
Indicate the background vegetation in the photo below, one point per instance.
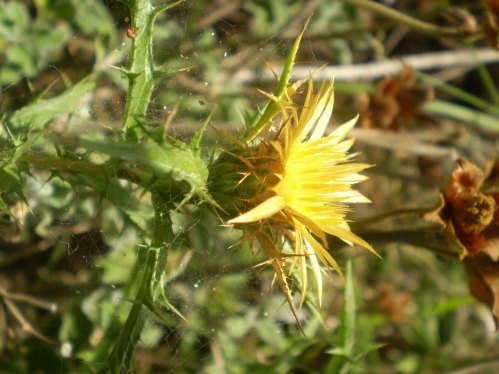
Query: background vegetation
71,237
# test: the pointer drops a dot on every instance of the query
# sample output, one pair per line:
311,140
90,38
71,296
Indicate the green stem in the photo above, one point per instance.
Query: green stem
77,166
62,164
141,73
141,78
413,23
392,214
433,239
458,93
121,356
485,76
162,233
154,263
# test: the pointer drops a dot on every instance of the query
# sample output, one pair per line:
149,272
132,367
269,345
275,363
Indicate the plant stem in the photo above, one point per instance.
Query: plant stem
459,94
433,239
162,233
121,356
141,73
413,23
154,262
77,166
392,214
141,80
62,164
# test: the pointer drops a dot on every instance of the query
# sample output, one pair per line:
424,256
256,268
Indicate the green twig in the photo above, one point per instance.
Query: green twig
485,76
488,82
142,73
343,357
475,119
142,77
121,356
418,25
154,265
393,214
433,239
62,164
458,93
77,166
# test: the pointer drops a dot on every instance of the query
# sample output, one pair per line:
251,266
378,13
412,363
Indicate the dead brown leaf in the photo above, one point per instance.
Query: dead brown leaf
395,99
491,24
483,275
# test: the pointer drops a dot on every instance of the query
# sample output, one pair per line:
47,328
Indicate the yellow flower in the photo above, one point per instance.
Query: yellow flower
306,184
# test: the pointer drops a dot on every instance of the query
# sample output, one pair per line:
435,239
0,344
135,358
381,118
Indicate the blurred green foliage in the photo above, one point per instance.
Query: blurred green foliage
75,238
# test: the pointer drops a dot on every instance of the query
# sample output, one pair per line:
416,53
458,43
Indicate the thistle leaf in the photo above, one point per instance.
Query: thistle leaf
167,162
272,108
37,114
343,353
10,182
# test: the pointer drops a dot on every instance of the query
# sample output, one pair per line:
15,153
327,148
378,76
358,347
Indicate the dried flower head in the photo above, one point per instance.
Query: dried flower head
469,212
304,183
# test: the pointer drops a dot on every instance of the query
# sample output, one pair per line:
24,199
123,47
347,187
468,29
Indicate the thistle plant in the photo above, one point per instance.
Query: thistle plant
303,183
303,180
170,173
282,188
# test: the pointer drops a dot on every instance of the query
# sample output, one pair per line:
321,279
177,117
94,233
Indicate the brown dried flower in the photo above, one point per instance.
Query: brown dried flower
470,215
491,24
396,99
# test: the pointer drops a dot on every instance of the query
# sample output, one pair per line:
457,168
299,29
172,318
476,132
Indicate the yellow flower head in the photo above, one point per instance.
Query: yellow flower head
306,185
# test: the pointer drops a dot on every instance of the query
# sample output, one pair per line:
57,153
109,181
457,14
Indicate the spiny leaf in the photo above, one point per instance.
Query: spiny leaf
37,114
160,73
272,108
164,7
343,352
138,213
153,306
5,208
196,139
10,181
166,161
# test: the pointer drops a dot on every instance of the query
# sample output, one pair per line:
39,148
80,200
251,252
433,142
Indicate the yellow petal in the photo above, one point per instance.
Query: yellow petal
342,131
307,252
316,269
324,255
264,210
323,120
314,112
299,258
349,237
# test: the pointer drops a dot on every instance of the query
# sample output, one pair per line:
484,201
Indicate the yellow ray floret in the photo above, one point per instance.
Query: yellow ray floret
312,184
